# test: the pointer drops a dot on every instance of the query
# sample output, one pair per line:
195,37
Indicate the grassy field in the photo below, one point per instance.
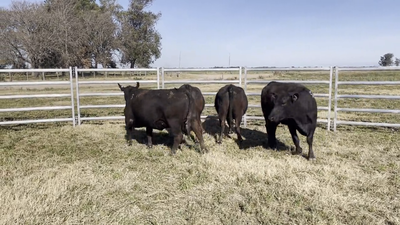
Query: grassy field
58,174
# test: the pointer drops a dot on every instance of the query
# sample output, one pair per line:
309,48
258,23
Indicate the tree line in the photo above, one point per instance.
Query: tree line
387,60
82,33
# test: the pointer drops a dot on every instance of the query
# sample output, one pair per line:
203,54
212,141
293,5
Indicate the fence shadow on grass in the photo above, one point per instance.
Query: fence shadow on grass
252,138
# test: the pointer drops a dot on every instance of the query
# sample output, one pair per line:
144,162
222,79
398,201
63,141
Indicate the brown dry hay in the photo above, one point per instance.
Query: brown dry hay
60,174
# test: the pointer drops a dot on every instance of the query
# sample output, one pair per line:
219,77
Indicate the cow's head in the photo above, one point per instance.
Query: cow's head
284,106
128,90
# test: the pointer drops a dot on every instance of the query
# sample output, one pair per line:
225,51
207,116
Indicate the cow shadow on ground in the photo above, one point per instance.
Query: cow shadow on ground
252,138
160,138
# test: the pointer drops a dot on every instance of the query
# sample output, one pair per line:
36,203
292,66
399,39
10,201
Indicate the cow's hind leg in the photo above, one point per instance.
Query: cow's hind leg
295,138
197,129
176,130
149,133
222,118
271,129
238,121
310,138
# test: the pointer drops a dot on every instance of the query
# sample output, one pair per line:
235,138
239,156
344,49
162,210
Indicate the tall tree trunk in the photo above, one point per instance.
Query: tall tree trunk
133,63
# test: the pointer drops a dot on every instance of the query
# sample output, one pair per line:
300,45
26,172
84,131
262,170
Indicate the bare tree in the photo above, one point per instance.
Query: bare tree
23,34
62,33
100,39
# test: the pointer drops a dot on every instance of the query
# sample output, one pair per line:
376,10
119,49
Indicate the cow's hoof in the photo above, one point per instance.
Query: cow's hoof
296,152
149,146
312,158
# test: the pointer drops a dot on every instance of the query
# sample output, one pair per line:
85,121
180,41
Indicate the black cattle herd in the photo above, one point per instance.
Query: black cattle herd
179,110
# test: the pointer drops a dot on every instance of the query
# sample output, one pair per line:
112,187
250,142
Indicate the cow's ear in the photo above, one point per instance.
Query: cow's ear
137,84
295,97
121,87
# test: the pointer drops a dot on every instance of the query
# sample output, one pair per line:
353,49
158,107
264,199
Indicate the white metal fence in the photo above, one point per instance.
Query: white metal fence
338,83
40,83
160,81
237,81
79,95
324,95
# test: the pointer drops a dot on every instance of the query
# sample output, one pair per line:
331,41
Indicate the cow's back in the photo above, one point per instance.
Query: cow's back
198,97
150,106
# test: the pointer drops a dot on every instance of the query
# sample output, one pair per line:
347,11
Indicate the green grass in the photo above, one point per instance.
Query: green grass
59,174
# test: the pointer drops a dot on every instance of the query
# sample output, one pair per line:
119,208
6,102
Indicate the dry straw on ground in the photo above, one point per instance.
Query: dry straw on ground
88,174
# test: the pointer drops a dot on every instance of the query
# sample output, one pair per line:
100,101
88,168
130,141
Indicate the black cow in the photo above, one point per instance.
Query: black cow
160,109
230,103
199,102
291,104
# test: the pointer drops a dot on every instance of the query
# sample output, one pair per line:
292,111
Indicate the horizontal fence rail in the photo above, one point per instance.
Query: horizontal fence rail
235,81
338,96
323,95
42,108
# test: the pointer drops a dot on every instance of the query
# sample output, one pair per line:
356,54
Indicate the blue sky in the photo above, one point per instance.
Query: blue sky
275,33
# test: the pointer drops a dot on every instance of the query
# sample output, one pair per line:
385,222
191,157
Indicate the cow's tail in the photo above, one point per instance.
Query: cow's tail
230,107
191,112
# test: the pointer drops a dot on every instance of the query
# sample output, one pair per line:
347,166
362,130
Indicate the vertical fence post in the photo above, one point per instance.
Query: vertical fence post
330,98
77,96
240,76
71,82
336,98
245,91
162,78
158,77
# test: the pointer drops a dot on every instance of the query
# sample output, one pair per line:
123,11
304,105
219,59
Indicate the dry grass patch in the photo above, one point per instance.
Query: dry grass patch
54,174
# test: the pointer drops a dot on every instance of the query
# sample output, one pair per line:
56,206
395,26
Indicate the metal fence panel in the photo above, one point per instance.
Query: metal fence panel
160,81
78,84
336,121
27,109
